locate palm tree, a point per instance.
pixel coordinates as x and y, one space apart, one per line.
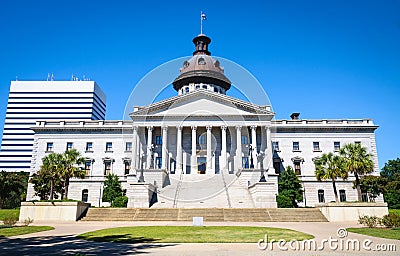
358 162
330 166
71 161
51 164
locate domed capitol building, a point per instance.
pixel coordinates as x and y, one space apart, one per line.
198 149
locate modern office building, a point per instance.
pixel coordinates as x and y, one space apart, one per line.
30 101
202 148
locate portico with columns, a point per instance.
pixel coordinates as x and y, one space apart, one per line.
208 150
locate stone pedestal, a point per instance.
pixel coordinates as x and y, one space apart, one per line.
352 211
140 194
53 211
264 194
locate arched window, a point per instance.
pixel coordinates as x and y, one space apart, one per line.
204 86
342 195
197 86
186 89
201 61
202 139
85 195
215 89
321 196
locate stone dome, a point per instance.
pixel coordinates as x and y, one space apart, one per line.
201 68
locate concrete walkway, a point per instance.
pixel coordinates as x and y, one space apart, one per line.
62 241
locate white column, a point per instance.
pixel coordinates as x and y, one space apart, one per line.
239 146
209 153
193 157
254 145
134 163
164 149
149 146
268 151
223 149
179 150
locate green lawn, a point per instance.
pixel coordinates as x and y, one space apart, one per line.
8 212
377 232
15 231
189 234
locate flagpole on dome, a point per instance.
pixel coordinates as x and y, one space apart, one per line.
202 17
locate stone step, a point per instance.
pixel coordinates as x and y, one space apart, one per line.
209 214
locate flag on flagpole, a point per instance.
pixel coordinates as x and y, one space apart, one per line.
203 16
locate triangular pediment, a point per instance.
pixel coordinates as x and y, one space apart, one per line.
202 103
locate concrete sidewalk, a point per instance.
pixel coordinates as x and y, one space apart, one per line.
61 241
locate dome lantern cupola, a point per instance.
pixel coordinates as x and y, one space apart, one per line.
201 71
201 42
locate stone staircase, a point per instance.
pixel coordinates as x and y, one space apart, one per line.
204 191
209 214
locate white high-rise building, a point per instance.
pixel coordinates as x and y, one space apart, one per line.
31 101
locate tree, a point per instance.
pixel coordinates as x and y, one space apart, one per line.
13 187
373 186
358 162
290 186
391 169
330 166
50 168
41 185
71 159
391 172
112 189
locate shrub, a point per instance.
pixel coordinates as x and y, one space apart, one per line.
10 221
369 221
28 221
120 201
391 220
283 201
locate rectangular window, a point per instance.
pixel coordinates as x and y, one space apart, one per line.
109 146
342 195
336 146
107 167
245 162
275 145
89 146
321 196
49 147
128 146
158 140
297 168
316 146
127 167
88 165
245 140
296 146
69 145
158 162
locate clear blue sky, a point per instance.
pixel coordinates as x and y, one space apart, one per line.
325 59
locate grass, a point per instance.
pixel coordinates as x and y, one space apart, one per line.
189 234
8 212
16 231
393 233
